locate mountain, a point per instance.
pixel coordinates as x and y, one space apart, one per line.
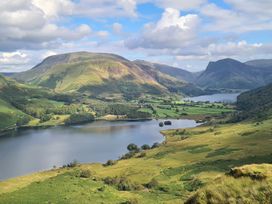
98 74
232 74
257 102
260 63
169 70
166 76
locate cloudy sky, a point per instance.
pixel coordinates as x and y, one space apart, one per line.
182 33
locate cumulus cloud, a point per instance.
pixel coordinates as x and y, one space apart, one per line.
240 19
180 4
117 28
26 26
10 60
171 31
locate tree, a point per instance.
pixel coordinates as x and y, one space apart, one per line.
145 147
132 147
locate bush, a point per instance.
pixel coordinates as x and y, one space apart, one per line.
128 155
85 173
155 145
132 147
152 184
23 120
72 164
121 183
145 147
45 117
141 155
131 201
110 163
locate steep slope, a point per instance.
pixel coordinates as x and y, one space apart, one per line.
91 73
100 74
232 74
9 114
169 70
173 82
256 103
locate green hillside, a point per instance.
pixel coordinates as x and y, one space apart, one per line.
256 103
100 75
28 105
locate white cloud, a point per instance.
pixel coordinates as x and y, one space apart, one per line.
237 20
10 61
54 8
117 28
105 8
180 4
26 26
171 31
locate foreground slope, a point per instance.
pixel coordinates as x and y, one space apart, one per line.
171 173
95 74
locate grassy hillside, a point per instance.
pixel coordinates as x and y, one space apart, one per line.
27 105
189 160
256 103
245 184
99 75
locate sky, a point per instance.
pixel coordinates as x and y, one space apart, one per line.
182 33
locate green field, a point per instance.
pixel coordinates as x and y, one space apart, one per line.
188 160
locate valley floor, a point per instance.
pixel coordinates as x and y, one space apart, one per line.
189 160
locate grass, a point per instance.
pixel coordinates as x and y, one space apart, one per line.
245 189
180 166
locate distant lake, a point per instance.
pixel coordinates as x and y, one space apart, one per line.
225 97
35 150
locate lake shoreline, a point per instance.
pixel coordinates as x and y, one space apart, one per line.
8 131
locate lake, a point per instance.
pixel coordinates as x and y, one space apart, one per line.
224 97
34 150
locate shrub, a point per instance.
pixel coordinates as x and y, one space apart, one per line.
155 145
152 184
85 173
110 163
145 147
121 183
132 147
128 155
141 155
72 164
131 201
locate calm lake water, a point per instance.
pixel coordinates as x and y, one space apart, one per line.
35 150
225 97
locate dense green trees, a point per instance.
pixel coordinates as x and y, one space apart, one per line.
80 118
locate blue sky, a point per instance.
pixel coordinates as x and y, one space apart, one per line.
182 33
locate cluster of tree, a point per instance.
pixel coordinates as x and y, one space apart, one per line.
78 118
134 149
